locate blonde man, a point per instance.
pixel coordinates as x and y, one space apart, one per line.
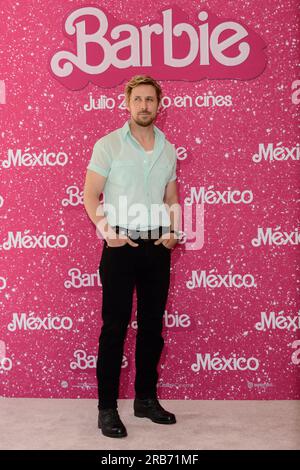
135 167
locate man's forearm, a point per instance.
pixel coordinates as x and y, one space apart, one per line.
95 212
174 211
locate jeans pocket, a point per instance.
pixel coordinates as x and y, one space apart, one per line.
164 247
116 247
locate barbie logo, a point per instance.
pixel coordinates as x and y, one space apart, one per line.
171 47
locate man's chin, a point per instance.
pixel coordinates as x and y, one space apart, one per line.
145 123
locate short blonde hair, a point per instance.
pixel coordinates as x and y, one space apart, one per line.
142 80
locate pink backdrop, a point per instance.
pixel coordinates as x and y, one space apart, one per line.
232 319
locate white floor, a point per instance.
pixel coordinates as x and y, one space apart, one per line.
72 424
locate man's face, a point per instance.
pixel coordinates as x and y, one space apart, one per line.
143 105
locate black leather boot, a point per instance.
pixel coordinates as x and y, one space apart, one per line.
110 423
150 408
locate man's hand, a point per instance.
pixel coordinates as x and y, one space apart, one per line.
120 240
167 239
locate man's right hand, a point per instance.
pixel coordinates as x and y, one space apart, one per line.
120 240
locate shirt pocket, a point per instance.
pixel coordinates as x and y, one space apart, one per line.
163 173
123 173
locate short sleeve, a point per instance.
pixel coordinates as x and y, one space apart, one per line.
100 161
173 176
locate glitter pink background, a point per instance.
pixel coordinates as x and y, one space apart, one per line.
40 114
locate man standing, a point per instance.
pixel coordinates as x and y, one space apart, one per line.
135 167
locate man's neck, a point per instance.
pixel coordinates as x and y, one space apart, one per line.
144 134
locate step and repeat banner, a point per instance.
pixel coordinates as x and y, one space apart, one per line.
231 93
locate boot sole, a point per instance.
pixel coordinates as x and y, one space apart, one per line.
107 434
139 414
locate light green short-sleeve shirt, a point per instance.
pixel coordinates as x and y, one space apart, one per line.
136 179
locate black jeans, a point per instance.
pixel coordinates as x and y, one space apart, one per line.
146 267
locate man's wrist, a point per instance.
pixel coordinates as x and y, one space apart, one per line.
107 232
176 233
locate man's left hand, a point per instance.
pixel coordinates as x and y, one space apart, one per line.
167 239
